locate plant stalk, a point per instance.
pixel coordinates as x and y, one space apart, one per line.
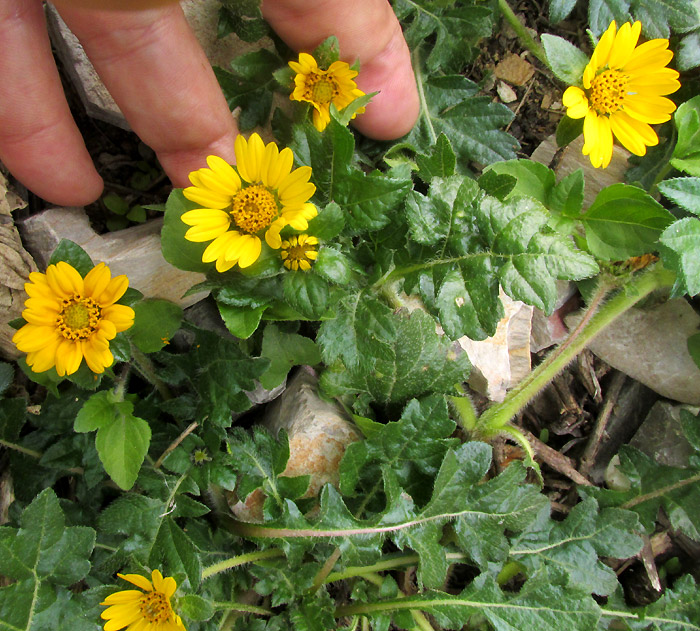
523 35
241 559
594 321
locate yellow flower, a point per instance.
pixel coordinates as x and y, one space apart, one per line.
262 194
70 317
323 87
299 252
623 88
149 610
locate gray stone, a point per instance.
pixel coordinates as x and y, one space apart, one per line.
134 251
661 435
650 345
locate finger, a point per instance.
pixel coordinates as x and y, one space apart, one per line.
158 74
366 30
39 141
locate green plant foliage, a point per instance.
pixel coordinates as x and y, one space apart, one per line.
567 61
155 322
450 100
285 350
686 155
43 557
457 29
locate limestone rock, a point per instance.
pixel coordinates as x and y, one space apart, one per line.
572 159
134 251
501 361
650 345
318 434
15 266
661 435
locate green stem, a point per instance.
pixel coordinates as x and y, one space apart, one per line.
425 112
659 177
496 417
243 608
22 450
525 38
144 365
466 414
241 559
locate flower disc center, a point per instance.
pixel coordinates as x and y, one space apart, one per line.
155 607
323 90
254 208
608 91
78 318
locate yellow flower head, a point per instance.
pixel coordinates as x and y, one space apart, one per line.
299 252
70 317
148 610
623 88
237 205
323 87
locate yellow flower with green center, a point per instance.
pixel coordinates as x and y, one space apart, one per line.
70 318
323 87
299 252
262 194
623 93
147 610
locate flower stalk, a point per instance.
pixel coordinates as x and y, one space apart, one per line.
523 35
594 321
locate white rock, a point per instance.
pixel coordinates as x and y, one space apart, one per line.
318 433
501 361
650 345
134 251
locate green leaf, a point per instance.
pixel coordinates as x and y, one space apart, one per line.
115 203
220 373
686 155
250 86
413 447
654 486
498 186
661 17
602 12
12 416
241 321
155 323
183 254
440 162
122 444
244 19
100 409
532 178
328 224
449 101
418 361
694 348
7 374
684 191
566 60
679 245
174 548
624 221
195 607
285 350
571 548
457 30
568 194
306 293
362 329
334 266
73 254
688 52
39 555
560 9
568 130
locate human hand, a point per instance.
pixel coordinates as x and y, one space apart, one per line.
159 76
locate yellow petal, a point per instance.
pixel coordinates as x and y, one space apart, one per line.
106 329
120 315
44 358
633 134
114 291
199 234
625 41
169 586
217 248
97 279
225 171
138 580
206 198
250 250
217 185
574 99
321 117
649 56
40 316
650 109
272 236
122 597
296 187
31 338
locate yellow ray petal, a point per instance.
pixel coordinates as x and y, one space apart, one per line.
97 279
625 41
138 580
251 247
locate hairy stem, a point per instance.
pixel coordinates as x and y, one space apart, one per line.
523 35
145 366
241 559
593 322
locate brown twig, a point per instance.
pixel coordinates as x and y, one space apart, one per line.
611 396
172 446
557 461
